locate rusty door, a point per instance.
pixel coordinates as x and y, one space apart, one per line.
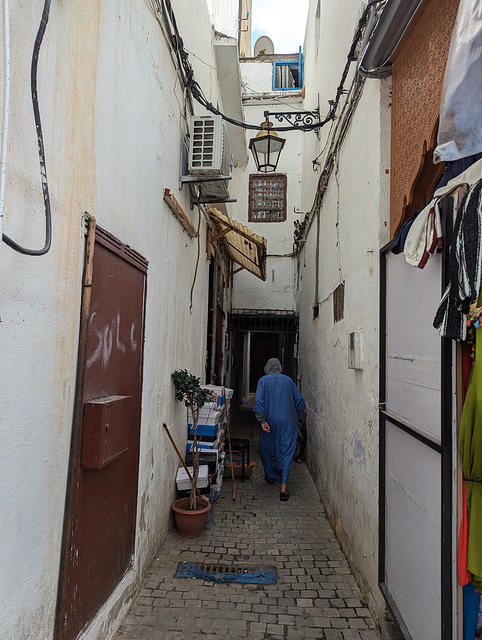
104 495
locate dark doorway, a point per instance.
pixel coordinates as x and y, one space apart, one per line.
255 337
263 347
216 320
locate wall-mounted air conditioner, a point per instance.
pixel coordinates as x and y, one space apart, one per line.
209 154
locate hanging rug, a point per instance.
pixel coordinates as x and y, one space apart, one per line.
222 573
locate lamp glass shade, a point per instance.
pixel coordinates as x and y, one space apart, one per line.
266 149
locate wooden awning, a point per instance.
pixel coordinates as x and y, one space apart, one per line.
245 248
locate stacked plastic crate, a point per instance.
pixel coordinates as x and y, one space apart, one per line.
210 434
222 396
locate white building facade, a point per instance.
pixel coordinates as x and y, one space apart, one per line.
113 111
385 391
339 288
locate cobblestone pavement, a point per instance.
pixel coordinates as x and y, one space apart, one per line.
316 595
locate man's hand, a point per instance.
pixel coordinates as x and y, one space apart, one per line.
266 428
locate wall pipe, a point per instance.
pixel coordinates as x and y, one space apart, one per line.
6 111
40 143
317 259
374 61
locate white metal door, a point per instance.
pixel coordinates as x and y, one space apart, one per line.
412 463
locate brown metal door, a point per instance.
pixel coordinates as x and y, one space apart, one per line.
105 495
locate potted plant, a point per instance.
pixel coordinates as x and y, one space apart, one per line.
193 508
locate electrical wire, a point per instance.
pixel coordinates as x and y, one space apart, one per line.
197 259
338 249
43 168
315 162
6 109
162 16
340 131
342 124
197 93
196 90
244 85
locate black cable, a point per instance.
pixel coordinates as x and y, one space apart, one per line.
197 92
43 168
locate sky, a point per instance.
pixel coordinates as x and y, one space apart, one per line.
284 21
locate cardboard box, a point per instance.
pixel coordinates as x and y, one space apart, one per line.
203 446
211 420
208 410
183 482
217 392
205 434
209 457
204 431
238 471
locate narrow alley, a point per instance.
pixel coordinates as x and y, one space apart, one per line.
315 596
188 190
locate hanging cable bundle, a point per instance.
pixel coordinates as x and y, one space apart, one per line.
41 151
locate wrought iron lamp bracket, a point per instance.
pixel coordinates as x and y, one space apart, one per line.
295 118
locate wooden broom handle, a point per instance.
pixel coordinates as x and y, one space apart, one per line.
181 459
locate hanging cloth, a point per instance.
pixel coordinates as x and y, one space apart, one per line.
424 237
465 263
471 604
470 445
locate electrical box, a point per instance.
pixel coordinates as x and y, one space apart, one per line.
105 430
209 154
355 350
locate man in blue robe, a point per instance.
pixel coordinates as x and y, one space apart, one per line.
277 405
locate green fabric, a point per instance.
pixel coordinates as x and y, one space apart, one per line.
470 445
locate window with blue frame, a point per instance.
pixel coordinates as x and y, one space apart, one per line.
288 74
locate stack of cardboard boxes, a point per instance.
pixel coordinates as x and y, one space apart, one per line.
210 434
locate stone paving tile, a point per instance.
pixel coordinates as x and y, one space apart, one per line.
316 596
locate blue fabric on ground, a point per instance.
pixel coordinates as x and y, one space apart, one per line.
471 610
279 400
255 576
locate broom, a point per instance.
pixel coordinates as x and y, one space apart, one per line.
181 459
230 451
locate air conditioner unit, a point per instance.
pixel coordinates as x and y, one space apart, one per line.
209 154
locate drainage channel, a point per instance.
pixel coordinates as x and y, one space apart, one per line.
227 573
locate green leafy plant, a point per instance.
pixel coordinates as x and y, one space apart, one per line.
188 390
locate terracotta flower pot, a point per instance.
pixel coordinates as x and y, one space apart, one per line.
190 523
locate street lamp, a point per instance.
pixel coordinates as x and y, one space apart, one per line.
266 148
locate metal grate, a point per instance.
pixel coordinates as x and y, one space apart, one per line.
339 303
227 573
202 143
265 322
219 568
267 198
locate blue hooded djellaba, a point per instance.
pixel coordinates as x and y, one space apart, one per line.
279 401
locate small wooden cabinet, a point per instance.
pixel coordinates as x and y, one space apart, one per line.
105 431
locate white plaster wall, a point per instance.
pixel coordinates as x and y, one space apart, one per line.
224 16
110 103
257 76
278 291
343 412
